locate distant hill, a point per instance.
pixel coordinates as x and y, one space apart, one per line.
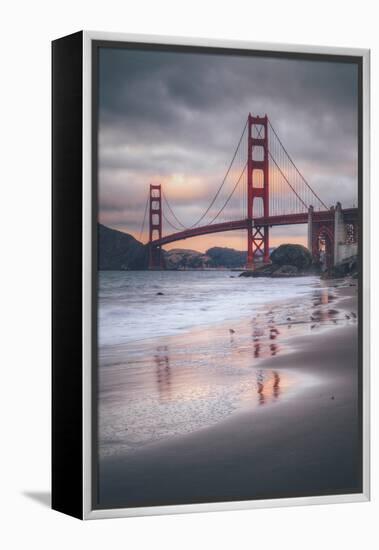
226 257
182 258
120 251
216 257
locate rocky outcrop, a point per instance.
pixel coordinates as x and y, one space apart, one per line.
349 267
288 260
286 271
292 254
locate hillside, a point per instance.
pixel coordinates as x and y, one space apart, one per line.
216 257
226 257
120 251
181 258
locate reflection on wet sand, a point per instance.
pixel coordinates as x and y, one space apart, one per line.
316 313
173 383
322 314
276 386
176 375
274 349
163 372
262 337
151 392
268 384
273 333
179 388
257 349
261 387
322 297
176 381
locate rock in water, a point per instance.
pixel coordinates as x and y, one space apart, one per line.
347 267
288 260
261 271
285 271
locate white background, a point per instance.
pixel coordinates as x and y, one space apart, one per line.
26 31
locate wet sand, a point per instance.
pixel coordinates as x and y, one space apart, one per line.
306 443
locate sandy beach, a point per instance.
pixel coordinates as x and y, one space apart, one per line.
274 415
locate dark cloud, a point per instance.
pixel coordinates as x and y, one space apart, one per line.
178 116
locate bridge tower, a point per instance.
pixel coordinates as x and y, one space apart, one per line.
155 226
257 188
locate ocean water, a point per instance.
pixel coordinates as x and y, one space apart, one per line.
176 362
130 308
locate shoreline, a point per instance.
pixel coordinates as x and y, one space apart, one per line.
337 285
261 451
160 388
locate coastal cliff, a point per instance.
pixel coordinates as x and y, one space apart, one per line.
119 251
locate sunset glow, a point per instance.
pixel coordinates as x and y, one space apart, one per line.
185 139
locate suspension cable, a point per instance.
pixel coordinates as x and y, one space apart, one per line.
224 179
298 196
171 224
230 196
172 212
296 168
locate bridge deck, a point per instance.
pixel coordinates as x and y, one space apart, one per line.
350 214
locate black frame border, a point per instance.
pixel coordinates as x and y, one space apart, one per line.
67 271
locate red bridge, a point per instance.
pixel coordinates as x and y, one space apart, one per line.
263 180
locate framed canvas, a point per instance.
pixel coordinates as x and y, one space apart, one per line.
210 275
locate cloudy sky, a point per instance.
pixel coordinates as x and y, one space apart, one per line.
175 118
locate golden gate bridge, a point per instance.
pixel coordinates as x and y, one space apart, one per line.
265 189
